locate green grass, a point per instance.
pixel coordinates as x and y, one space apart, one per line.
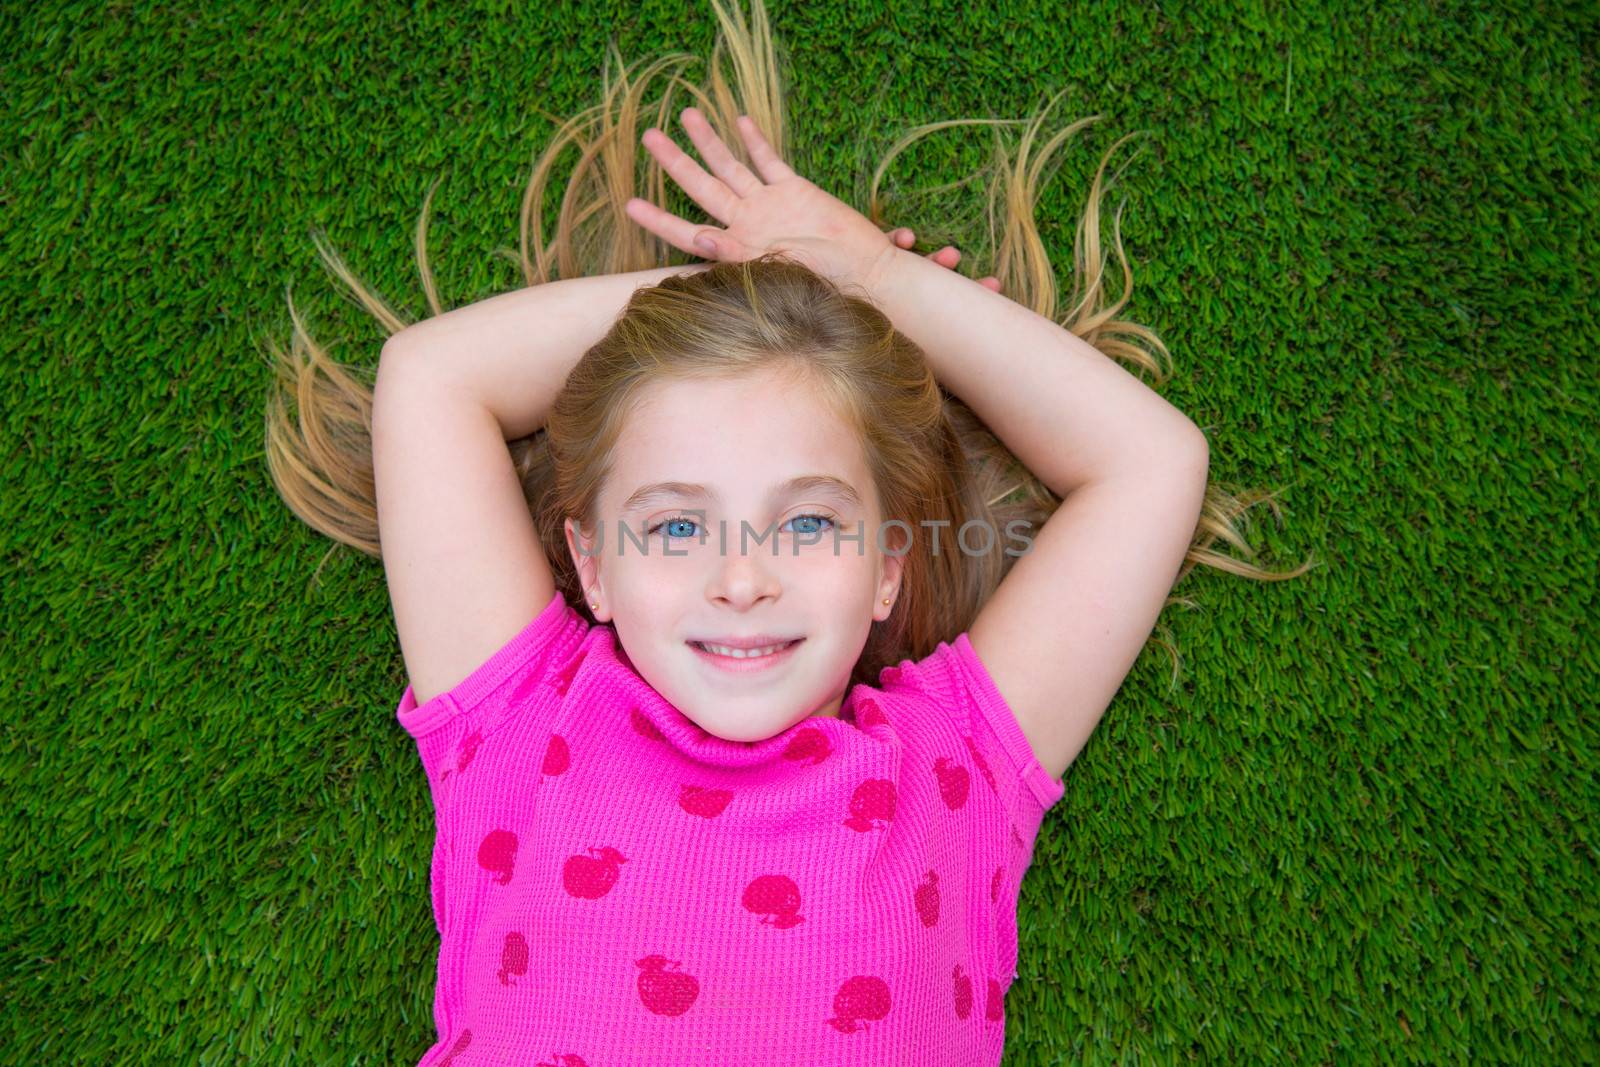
1361 830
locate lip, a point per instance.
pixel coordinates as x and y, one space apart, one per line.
747 666
758 641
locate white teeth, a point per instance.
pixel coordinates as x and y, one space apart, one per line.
742 653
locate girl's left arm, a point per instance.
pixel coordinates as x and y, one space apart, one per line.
1071 617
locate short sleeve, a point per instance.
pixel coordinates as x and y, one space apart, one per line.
509 679
953 675
1005 733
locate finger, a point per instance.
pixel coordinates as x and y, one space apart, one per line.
770 165
991 282
948 256
677 232
903 237
713 151
716 198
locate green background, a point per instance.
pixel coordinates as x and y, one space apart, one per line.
1359 830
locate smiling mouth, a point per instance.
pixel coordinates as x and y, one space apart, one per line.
761 663
725 652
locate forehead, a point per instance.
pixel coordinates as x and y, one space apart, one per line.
740 437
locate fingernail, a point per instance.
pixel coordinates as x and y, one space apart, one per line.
705 243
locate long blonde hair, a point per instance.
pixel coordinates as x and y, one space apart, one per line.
930 456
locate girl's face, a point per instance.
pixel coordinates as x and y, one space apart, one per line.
692 578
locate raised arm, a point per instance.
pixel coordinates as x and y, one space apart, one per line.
1069 619
463 562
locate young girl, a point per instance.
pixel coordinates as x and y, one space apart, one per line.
743 681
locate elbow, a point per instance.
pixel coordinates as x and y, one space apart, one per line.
398 342
398 367
1193 450
1178 433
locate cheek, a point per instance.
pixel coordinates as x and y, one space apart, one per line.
823 562
848 581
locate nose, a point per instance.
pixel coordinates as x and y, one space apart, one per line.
741 579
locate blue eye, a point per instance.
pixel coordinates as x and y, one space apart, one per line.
693 522
820 518
675 518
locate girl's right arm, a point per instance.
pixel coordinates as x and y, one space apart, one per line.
463 562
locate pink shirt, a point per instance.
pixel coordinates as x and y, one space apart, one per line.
613 885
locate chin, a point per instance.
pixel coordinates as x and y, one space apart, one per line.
746 731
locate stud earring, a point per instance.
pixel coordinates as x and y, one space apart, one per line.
885 600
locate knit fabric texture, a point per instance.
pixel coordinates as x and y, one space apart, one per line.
613 885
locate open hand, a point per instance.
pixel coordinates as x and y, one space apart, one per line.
779 211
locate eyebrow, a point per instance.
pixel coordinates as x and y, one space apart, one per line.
660 492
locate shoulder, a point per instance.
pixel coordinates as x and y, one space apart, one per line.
510 676
954 684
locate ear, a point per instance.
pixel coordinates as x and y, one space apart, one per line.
889 584
587 563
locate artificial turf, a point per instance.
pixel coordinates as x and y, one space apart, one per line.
1360 829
